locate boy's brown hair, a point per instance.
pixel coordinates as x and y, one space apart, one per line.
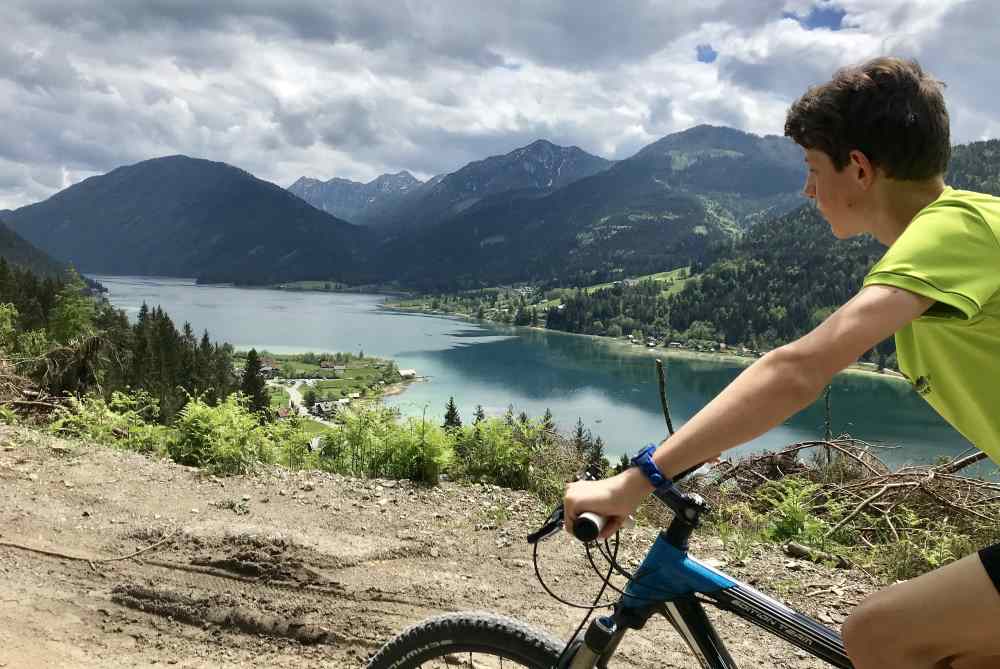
887 108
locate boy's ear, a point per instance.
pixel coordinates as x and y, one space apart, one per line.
863 168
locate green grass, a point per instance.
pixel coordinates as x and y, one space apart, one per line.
335 389
278 396
295 368
660 277
313 428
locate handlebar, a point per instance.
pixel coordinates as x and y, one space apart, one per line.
588 526
687 507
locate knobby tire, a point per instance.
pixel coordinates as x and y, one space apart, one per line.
456 635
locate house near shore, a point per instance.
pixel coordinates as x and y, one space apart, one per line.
324 408
330 408
408 373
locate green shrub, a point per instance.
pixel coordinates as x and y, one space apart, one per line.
922 545
224 439
290 440
739 527
520 454
127 421
789 504
371 442
492 452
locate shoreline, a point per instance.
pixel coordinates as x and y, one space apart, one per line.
359 290
397 388
659 351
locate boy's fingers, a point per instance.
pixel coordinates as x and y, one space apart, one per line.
611 527
569 516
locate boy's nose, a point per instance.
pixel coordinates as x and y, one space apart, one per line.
809 190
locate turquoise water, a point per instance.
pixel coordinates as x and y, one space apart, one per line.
611 387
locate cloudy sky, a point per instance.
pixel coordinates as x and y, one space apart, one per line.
355 88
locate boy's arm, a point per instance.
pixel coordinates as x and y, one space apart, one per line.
777 386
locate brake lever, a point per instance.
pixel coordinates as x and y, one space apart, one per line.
552 525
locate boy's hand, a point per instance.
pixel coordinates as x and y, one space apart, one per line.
614 498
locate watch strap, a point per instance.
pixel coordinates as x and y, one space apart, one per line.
644 461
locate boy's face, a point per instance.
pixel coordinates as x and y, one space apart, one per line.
836 194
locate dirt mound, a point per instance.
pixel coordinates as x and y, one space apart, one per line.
220 610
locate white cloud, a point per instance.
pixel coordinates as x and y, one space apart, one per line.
355 88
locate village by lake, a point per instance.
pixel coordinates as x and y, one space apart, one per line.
612 388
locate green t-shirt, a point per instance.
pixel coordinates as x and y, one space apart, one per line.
950 252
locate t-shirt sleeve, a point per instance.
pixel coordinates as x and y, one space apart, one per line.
949 254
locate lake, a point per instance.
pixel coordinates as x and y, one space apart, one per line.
611 387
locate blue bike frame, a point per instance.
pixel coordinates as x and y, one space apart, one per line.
673 583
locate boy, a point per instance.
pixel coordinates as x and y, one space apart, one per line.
876 141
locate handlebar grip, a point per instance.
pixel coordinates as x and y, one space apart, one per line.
588 526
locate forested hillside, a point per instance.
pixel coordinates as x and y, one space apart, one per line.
66 340
18 251
788 274
784 277
976 167
778 282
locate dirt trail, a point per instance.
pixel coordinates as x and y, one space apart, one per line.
298 569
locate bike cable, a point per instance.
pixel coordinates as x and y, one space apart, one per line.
606 579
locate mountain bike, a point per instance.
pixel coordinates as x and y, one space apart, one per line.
669 582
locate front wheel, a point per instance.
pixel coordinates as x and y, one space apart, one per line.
468 640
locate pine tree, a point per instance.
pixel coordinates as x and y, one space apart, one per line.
548 421
451 417
253 384
479 416
596 464
189 348
74 311
224 379
310 398
581 438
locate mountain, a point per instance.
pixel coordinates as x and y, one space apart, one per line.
531 171
684 198
181 216
359 203
18 251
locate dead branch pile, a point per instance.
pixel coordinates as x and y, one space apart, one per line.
33 387
20 394
849 471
